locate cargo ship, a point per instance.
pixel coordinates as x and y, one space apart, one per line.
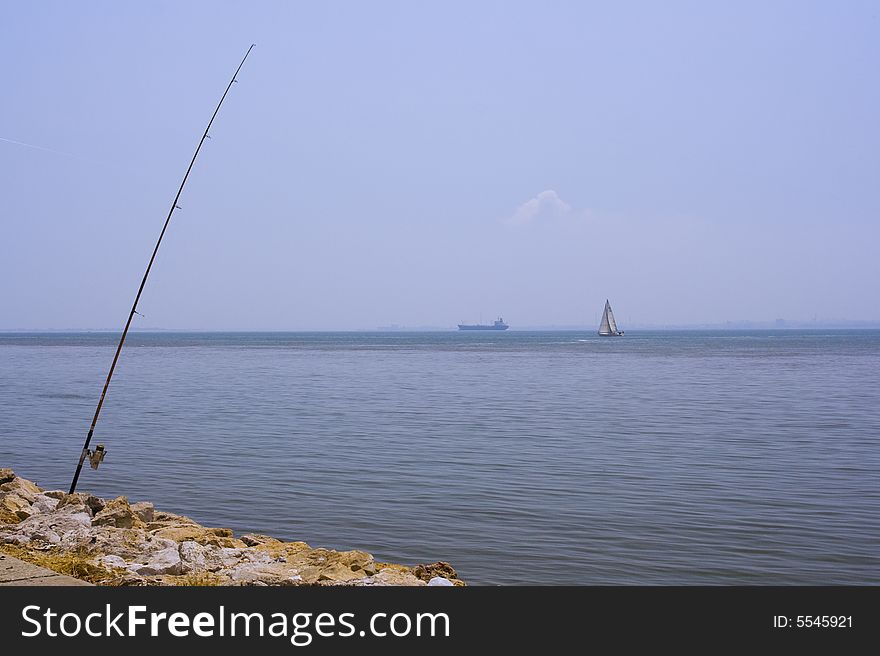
498 324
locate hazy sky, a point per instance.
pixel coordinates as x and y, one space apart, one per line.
427 163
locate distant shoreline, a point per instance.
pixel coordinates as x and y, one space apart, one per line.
733 327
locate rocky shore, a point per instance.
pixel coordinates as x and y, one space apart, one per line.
114 542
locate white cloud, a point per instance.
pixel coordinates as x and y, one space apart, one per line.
544 206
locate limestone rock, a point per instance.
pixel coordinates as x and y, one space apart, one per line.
130 544
265 573
21 487
163 518
166 561
441 569
44 504
245 555
117 513
89 502
15 504
339 572
221 537
8 517
253 539
193 557
111 562
440 581
206 557
279 549
137 545
392 576
144 510
65 530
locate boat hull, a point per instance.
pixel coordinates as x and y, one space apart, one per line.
463 326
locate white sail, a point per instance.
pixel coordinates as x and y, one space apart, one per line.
611 322
609 325
605 326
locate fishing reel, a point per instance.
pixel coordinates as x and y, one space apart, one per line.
96 457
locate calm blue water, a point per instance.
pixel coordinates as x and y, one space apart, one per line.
552 457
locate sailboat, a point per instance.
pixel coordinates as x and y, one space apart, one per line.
608 327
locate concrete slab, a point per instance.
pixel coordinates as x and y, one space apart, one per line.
17 572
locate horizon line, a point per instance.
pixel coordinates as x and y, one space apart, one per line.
729 325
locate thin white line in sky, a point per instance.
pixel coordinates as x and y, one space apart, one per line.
48 150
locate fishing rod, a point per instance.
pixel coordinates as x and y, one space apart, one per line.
95 457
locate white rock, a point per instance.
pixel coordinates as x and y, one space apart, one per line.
193 556
44 504
166 561
112 561
252 556
130 544
229 556
69 530
245 573
144 510
41 534
439 580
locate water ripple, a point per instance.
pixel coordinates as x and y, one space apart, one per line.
662 458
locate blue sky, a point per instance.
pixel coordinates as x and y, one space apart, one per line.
427 163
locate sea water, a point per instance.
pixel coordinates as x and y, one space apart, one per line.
519 457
